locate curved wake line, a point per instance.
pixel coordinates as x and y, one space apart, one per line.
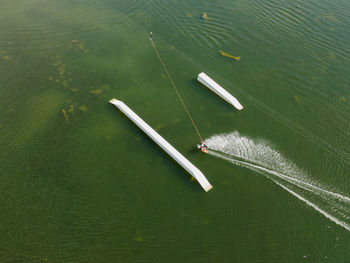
293 181
330 217
259 156
247 162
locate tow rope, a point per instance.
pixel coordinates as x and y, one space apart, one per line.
173 84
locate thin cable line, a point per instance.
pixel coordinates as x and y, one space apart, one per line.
177 91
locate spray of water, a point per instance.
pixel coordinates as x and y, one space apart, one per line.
260 157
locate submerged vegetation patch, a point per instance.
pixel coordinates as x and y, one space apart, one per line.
40 110
224 54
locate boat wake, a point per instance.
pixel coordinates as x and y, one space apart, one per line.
260 157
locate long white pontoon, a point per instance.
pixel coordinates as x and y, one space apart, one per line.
187 165
212 85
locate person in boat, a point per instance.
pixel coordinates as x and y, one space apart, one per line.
203 147
150 35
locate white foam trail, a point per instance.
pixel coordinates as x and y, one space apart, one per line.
260 157
306 186
265 157
330 217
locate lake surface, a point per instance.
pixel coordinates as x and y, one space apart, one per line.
80 183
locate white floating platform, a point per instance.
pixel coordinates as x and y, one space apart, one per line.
212 85
186 164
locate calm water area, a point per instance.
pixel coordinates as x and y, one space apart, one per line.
80 183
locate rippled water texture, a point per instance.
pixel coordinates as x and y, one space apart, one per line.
80 183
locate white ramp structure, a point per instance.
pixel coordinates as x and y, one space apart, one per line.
212 85
169 149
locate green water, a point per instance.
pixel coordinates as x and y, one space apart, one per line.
80 183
